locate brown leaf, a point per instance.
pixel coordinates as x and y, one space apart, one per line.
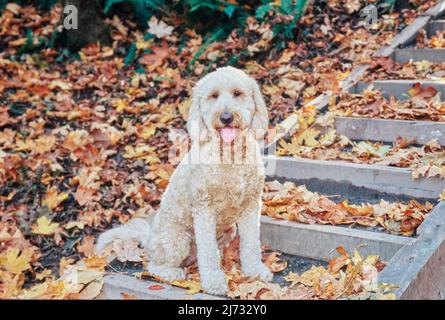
155 59
417 90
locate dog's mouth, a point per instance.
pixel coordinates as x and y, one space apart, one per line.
228 133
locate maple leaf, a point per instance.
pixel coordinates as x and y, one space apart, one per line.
308 138
155 59
87 246
53 199
192 287
159 28
273 262
419 91
379 151
15 261
44 226
85 195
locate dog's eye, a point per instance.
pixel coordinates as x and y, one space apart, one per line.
237 93
214 95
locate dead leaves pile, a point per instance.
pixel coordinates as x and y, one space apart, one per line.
422 103
384 68
436 41
82 280
347 277
296 203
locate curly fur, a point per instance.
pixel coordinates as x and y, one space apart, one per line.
217 186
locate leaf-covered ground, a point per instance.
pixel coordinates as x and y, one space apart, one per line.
85 138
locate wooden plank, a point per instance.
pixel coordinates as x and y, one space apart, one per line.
354 77
434 26
432 55
405 37
116 284
385 179
419 269
387 130
319 241
399 88
436 10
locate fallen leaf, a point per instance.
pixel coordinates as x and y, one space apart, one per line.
16 261
45 226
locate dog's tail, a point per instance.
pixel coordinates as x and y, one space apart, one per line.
136 229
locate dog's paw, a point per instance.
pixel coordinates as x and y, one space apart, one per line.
259 270
214 282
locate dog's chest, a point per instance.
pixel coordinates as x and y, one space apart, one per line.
230 191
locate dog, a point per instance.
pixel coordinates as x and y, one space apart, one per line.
217 186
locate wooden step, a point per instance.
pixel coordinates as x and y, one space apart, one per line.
434 26
387 130
340 177
398 88
407 54
318 241
418 269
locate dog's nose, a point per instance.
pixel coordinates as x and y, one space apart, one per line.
226 117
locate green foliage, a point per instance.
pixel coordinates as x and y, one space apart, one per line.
284 30
210 13
386 5
143 9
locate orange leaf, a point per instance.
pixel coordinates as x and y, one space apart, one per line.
156 287
419 91
155 59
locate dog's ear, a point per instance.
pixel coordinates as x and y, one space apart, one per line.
195 124
260 119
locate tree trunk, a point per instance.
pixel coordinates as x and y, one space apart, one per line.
91 27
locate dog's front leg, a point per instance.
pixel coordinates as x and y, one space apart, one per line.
250 246
212 277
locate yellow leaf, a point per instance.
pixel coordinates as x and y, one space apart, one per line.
120 105
183 108
15 261
192 286
387 296
328 138
148 131
75 224
53 199
44 226
270 90
372 259
307 138
442 195
138 152
356 258
34 292
143 45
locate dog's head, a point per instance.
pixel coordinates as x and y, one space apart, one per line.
227 102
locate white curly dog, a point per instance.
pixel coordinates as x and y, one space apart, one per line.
217 186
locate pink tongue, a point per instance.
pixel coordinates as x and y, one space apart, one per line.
228 134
